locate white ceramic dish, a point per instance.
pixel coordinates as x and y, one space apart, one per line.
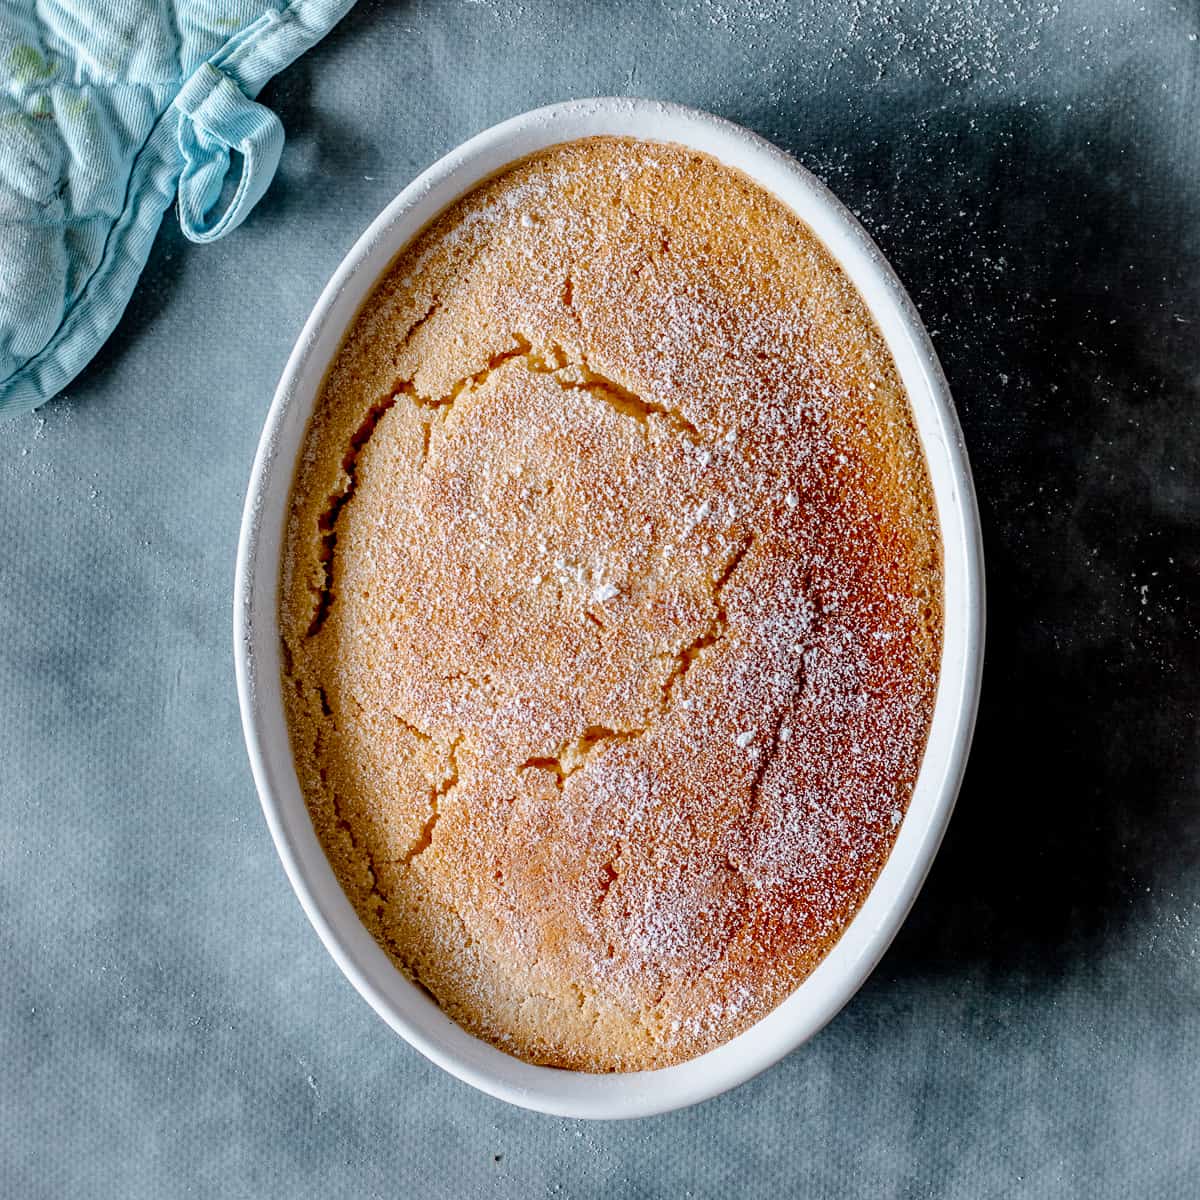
257 645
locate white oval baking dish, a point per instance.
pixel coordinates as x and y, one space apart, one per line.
406 1007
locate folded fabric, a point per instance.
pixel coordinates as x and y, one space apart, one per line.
108 109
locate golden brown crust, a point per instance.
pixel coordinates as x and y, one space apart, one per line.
611 607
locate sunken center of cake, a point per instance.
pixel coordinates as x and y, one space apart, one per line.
611 607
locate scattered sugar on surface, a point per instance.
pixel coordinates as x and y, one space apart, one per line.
637 583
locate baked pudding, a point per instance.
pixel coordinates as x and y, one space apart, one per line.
611 606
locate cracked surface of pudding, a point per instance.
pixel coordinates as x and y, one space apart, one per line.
611 607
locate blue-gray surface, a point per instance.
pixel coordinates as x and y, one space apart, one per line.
169 1024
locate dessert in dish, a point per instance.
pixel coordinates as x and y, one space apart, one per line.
611 606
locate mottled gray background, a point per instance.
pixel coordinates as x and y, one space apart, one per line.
169 1024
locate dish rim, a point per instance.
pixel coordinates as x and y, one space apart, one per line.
403 1005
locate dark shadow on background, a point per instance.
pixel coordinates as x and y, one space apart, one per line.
1051 256
152 296
325 156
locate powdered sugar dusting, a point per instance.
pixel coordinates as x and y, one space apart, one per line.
622 546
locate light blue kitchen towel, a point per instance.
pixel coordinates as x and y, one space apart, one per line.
108 110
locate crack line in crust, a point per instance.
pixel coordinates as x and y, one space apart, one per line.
579 375
435 302
520 349
573 755
327 522
713 632
361 851
765 759
436 796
